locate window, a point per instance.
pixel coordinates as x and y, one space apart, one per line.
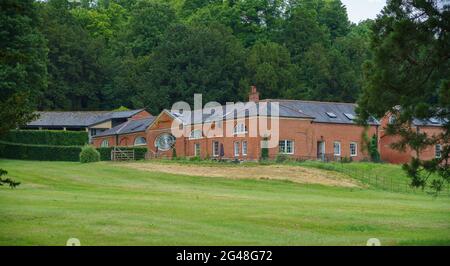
438 151
286 146
197 149
349 116
244 148
236 148
195 134
337 148
392 119
240 129
331 114
353 149
139 141
215 148
105 143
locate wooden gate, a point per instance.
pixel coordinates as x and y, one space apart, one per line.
118 154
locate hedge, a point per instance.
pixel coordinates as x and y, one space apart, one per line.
39 152
47 137
105 153
57 153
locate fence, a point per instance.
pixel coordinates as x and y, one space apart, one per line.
378 181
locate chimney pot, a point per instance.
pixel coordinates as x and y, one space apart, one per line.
253 95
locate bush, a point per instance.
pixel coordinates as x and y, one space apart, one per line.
39 152
281 158
47 137
89 154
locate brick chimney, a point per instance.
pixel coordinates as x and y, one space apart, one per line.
253 96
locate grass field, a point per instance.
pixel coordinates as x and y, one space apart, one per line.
109 204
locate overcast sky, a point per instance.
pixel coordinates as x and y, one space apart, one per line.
363 9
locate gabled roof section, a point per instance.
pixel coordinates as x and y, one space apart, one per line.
78 118
324 112
131 126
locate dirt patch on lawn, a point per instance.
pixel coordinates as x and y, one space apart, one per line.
296 174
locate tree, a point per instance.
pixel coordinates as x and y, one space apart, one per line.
22 65
409 78
75 72
192 59
269 67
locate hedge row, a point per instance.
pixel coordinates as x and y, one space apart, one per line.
56 153
139 152
39 152
47 137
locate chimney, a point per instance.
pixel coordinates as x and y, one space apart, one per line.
253 96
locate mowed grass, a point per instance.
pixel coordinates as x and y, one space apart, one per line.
106 204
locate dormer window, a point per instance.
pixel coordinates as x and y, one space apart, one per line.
349 116
196 134
392 119
240 129
331 115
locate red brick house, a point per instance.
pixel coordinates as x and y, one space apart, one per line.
388 154
307 129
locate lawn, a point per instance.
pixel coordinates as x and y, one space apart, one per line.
109 204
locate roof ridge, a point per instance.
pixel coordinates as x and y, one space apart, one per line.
307 101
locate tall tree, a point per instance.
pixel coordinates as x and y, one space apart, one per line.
409 77
192 59
22 65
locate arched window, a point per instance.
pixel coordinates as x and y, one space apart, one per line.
105 143
139 141
240 129
195 134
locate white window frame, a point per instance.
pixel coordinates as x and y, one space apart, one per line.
244 148
105 143
195 149
356 149
240 128
284 151
236 148
192 134
142 144
215 154
436 151
334 148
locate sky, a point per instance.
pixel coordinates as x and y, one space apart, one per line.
363 9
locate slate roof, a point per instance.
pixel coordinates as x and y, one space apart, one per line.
131 126
314 110
433 122
78 118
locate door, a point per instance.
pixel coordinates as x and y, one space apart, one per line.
321 150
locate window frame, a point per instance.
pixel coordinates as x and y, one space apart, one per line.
236 148
195 149
334 148
246 147
214 149
140 137
436 156
104 143
235 132
196 130
285 144
356 149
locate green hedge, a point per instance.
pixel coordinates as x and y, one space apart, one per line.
56 153
39 152
139 152
47 137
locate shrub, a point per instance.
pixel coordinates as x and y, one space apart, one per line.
39 152
281 158
373 149
89 154
47 137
